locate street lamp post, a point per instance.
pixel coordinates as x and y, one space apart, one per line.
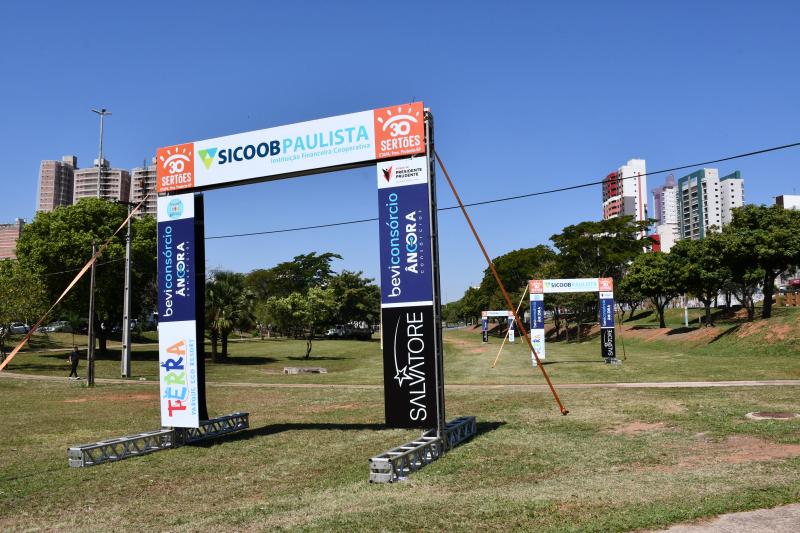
102 112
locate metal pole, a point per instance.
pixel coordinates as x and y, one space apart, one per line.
437 301
102 112
90 352
125 369
685 312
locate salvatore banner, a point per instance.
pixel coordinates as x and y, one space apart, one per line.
177 332
285 151
407 310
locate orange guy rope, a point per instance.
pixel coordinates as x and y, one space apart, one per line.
509 329
77 278
518 321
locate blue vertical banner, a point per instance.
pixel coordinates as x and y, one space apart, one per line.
407 308
511 329
537 323
177 335
485 327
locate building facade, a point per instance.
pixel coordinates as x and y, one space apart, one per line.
102 181
706 201
56 180
9 235
624 191
143 181
788 201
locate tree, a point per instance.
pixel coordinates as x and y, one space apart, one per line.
59 243
515 269
746 275
298 275
653 276
22 297
318 309
772 234
229 305
700 269
356 298
601 249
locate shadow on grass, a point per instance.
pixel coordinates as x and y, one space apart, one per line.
725 333
245 360
640 316
272 429
596 361
317 358
680 330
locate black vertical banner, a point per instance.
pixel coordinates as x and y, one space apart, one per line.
409 366
608 347
200 301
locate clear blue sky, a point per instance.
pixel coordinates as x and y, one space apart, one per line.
527 96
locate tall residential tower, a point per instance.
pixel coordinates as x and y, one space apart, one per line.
56 183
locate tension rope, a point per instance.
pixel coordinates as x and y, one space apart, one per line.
508 331
72 284
510 304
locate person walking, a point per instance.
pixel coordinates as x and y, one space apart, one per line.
74 357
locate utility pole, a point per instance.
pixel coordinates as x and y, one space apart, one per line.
125 369
90 352
100 164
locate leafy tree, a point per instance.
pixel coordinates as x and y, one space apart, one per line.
746 275
298 275
601 249
317 310
472 303
652 275
357 299
700 269
772 234
22 297
59 243
627 299
515 269
229 306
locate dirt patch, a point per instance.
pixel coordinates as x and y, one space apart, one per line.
635 428
745 449
769 332
115 398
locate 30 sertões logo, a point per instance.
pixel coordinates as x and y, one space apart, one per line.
399 130
175 167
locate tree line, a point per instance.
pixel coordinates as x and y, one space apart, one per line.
746 256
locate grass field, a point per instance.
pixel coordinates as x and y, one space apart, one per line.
621 460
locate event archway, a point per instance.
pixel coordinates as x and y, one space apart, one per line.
605 289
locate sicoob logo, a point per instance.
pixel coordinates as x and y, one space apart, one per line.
399 130
175 169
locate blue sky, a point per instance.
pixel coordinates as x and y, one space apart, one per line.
527 96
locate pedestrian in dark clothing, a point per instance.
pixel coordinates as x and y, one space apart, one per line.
74 357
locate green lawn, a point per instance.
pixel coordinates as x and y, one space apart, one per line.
623 459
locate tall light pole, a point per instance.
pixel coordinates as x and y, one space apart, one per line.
125 367
102 112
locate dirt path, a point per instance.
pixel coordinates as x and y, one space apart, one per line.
785 519
452 386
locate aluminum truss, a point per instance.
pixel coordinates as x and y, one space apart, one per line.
120 448
397 463
211 429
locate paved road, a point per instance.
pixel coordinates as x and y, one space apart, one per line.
452 386
785 519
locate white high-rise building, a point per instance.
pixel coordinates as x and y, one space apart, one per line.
625 191
706 201
665 202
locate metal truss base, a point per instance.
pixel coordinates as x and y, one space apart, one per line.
397 463
107 451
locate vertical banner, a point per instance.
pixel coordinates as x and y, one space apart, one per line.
511 329
177 334
537 325
484 327
407 315
608 349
